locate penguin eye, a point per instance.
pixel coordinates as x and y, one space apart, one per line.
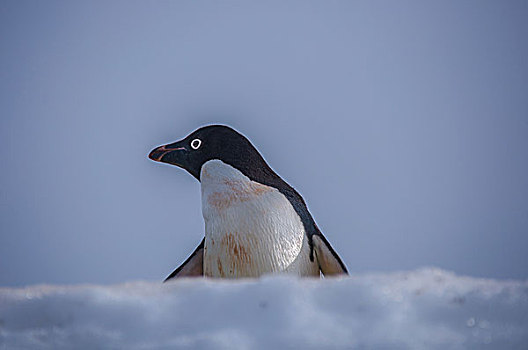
196 143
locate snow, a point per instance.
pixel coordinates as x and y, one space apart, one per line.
424 309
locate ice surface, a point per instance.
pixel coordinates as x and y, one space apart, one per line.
423 309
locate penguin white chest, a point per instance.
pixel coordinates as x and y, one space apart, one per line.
250 228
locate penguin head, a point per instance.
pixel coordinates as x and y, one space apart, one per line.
208 143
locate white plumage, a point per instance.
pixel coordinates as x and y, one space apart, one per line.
250 229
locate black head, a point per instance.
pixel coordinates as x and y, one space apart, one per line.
212 142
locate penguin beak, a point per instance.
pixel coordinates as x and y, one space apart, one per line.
174 153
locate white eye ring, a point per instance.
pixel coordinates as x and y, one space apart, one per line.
196 143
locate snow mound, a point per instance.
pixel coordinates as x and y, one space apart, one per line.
424 309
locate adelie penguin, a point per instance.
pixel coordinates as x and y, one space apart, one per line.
255 223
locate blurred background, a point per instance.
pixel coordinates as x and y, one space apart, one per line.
403 124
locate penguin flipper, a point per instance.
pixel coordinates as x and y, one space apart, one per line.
192 267
329 262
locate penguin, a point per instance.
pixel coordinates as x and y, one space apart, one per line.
255 223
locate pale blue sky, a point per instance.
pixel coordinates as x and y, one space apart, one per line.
403 124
